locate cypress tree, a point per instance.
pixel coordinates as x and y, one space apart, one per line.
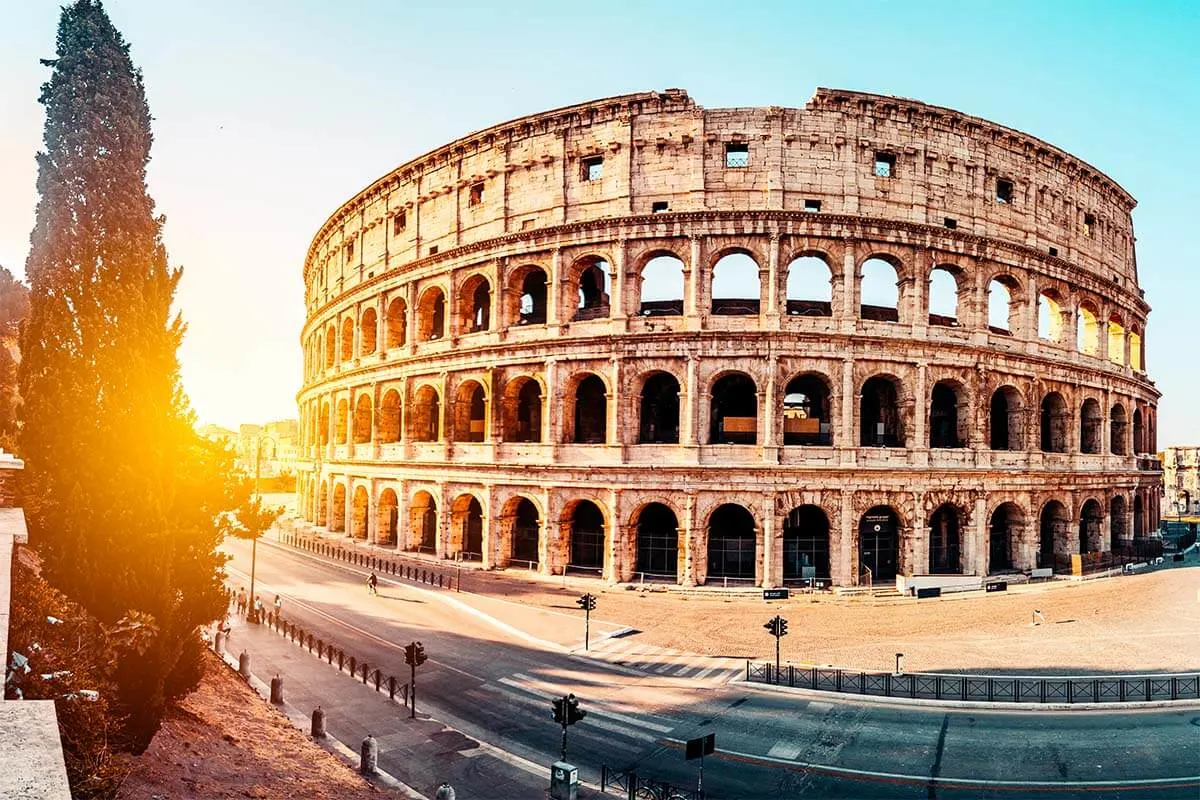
122 494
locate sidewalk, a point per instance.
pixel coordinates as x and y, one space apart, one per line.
419 753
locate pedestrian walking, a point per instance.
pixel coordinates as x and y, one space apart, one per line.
241 601
373 584
258 609
278 605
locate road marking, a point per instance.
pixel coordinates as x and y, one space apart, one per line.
523 680
785 749
538 703
819 706
924 780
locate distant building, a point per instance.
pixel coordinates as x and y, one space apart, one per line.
216 433
280 447
1181 480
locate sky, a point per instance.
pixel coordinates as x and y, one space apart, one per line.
269 114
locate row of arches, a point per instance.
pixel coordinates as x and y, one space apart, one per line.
728 544
736 282
804 415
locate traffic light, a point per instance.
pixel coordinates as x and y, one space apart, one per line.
560 707
587 602
782 626
414 654
777 626
574 712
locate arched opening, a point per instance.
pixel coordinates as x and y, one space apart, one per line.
734 410
1006 420
523 407
362 419
423 516
330 346
943 297
388 523
1139 440
1054 533
341 422
732 543
944 424
425 417
476 304
359 507
595 288
397 323
368 330
1116 341
1139 517
1136 356
806 412
1054 421
662 287
659 417
881 423
468 518
337 516
470 413
323 505
735 285
1087 330
531 308
391 411
805 544
809 287
880 290
1002 311
1003 531
1091 527
1118 433
1050 317
431 315
591 411
526 531
879 544
945 541
347 338
587 537
1090 421
323 424
1118 522
658 541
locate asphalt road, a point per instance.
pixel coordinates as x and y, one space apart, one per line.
495 686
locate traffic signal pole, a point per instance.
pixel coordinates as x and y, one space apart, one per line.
412 694
587 603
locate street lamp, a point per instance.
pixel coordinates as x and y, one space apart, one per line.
258 440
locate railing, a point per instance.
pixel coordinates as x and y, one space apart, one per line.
639 787
981 688
396 566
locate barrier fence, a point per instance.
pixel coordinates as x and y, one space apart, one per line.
408 569
639 787
982 688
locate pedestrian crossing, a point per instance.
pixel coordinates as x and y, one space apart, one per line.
653 660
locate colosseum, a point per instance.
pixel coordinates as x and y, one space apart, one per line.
649 341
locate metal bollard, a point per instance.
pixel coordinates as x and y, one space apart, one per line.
369 763
318 723
244 665
277 690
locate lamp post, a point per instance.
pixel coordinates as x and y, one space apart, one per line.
253 613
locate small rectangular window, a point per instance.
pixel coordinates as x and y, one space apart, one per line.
526 224
476 195
658 206
1053 250
885 165
1004 190
812 205
950 222
433 250
593 168
399 223
1089 224
737 155
349 251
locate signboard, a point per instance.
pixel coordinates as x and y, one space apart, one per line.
701 747
930 591
775 594
996 586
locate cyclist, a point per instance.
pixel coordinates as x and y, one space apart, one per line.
372 584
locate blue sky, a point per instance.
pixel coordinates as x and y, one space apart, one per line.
268 114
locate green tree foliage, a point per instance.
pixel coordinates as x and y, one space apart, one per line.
14 306
122 494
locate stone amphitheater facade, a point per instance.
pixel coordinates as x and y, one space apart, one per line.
651 341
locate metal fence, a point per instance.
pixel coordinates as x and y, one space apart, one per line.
639 787
397 566
982 688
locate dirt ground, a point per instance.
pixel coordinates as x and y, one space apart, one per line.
227 742
1140 623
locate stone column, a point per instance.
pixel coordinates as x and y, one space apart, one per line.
846 573
846 437
616 436
687 539
979 540
617 301
849 289
921 409
769 279
769 410
553 405
772 542
688 435
692 278
554 283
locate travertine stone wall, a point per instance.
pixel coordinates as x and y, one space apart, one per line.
417 347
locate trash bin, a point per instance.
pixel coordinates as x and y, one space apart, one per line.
564 781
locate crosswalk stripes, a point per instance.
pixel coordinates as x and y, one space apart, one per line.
527 691
665 661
